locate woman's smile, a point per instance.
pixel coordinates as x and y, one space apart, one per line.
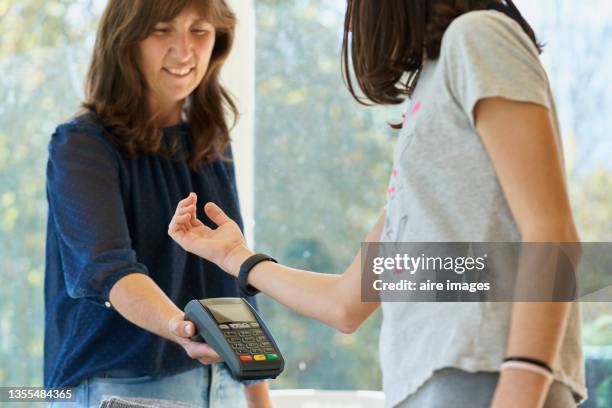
179 72
174 59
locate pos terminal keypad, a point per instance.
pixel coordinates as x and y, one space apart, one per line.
248 341
238 334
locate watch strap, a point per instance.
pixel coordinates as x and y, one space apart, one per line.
246 268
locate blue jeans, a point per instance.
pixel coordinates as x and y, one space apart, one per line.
207 387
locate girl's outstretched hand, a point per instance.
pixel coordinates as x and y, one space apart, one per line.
223 245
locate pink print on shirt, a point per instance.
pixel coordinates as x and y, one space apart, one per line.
391 188
415 109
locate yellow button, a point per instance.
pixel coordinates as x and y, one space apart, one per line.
259 357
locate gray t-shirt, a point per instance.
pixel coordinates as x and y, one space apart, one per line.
443 188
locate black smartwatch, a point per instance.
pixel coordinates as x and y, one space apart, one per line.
245 269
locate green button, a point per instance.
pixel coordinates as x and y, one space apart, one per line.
272 356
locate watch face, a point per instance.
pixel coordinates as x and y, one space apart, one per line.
231 313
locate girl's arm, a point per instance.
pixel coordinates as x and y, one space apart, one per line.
526 154
332 299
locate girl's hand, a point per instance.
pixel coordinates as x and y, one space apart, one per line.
517 388
224 245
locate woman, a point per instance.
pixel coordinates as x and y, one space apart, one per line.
154 129
478 160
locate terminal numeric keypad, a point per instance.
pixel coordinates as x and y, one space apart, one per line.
249 341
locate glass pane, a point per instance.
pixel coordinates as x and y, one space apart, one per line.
44 50
322 163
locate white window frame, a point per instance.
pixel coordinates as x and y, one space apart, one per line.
239 77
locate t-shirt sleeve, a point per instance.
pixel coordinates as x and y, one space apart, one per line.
487 54
86 206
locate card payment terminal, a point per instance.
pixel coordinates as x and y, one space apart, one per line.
238 334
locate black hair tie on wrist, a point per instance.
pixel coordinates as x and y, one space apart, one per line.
245 269
533 361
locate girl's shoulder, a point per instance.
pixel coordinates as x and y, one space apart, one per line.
480 21
486 29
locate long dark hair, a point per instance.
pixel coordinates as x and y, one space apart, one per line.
391 37
115 86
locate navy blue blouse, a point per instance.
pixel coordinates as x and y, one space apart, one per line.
108 217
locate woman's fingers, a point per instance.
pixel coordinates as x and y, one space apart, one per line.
207 355
180 327
183 330
202 352
211 360
216 214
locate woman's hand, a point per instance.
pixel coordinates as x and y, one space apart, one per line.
224 245
181 331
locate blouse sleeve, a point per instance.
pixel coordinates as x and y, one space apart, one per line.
86 208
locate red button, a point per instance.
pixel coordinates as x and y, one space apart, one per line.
246 358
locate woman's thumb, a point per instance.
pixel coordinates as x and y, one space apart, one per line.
180 327
216 214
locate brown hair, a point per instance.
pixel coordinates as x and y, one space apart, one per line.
116 88
391 37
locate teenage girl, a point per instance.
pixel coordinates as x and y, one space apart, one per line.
478 160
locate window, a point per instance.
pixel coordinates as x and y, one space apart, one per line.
321 168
